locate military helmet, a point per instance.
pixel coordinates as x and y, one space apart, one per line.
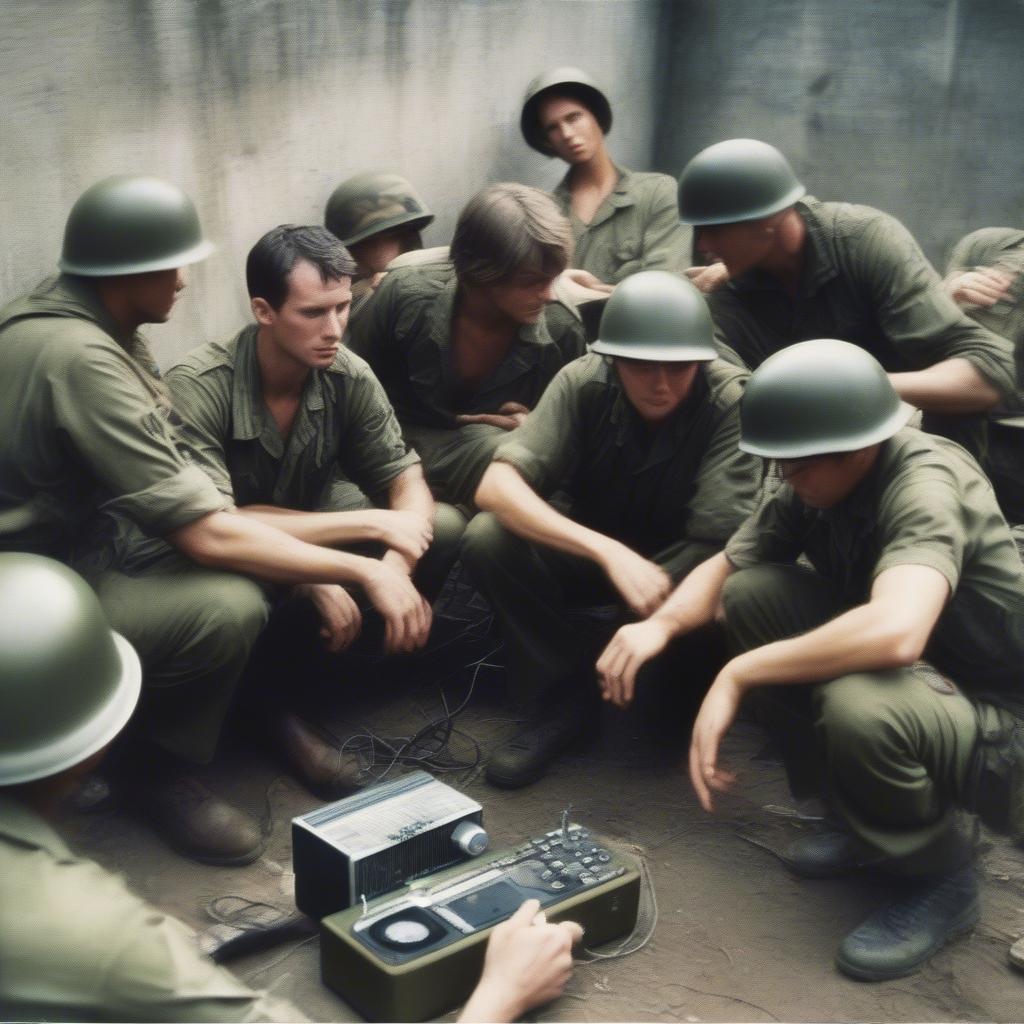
370 203
819 398
736 180
130 224
571 82
68 684
656 316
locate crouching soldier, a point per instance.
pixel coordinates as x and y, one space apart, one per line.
910 559
641 435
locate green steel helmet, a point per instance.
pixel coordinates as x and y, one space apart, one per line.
819 398
370 203
570 82
130 224
736 180
656 316
68 684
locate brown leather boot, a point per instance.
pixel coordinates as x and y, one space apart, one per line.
322 766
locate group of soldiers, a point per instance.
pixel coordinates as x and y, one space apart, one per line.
690 405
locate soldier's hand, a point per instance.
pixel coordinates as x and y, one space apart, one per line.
508 417
716 715
340 617
408 533
405 612
627 652
585 279
642 584
708 278
983 286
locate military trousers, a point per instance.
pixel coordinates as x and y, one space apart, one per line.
455 460
539 597
193 629
890 750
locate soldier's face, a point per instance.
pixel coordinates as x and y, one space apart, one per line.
822 481
373 254
742 246
308 328
570 128
153 295
522 297
655 390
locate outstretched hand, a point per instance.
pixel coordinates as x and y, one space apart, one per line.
508 417
982 286
716 715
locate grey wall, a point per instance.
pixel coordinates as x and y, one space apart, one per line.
916 107
260 107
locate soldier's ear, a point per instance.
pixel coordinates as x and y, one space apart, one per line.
262 310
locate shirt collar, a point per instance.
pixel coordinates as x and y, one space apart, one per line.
22 825
620 196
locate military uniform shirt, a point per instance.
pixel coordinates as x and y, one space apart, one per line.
84 425
863 280
924 502
1002 248
75 944
635 228
405 336
344 428
648 489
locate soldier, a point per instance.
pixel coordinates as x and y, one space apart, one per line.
465 349
85 426
378 216
801 269
75 943
985 277
910 559
623 221
285 420
641 434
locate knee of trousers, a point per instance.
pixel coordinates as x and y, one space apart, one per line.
449 526
748 589
231 613
487 543
856 724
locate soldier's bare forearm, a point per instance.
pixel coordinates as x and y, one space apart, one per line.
953 386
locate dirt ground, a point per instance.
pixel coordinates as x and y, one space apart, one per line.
737 938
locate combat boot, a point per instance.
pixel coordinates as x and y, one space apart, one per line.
828 853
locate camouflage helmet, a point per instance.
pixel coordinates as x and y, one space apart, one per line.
68 684
819 398
130 224
656 316
571 82
736 180
370 203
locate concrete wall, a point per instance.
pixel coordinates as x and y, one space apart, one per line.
915 107
260 107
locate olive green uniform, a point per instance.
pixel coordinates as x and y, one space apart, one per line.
892 747
405 336
635 228
864 280
1002 248
75 944
85 426
673 495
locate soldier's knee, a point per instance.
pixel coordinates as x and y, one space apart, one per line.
449 526
747 589
852 714
483 541
233 614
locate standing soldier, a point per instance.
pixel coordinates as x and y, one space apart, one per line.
641 437
802 269
465 348
910 559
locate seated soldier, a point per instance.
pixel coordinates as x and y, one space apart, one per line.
985 276
85 427
377 217
910 559
465 349
800 268
75 943
641 434
285 421
622 221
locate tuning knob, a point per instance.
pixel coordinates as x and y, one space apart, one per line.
470 838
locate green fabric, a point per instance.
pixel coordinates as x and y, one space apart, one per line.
344 423
925 502
84 426
889 749
635 228
75 944
687 480
864 280
405 336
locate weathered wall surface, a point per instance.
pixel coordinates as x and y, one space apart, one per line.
915 107
260 107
